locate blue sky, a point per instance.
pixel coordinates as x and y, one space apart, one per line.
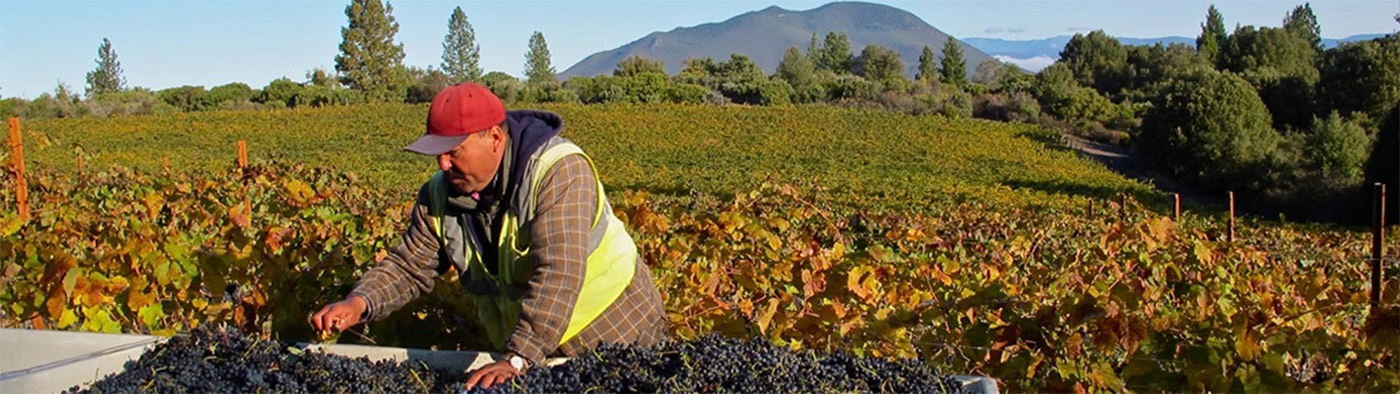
163 44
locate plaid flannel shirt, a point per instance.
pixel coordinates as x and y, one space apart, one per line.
568 200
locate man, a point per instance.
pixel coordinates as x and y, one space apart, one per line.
520 213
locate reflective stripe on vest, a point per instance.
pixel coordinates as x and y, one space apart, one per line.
610 266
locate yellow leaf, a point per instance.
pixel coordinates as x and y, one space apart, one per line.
838 251
767 317
1246 343
10 224
299 191
136 300
67 318
1203 253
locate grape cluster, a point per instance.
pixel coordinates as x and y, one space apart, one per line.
222 360
715 363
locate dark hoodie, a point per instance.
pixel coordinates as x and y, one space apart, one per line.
528 131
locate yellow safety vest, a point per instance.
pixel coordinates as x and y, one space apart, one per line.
611 263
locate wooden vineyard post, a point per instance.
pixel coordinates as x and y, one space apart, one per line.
242 154
1230 227
1377 241
17 164
1177 216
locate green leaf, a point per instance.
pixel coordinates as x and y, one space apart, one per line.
70 280
150 315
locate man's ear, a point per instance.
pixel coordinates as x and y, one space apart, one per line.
498 137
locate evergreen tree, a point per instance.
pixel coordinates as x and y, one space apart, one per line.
739 68
1212 37
1338 148
877 63
953 68
460 54
835 54
1362 77
1384 164
369 60
1097 60
1282 66
537 67
799 72
107 77
319 77
1303 23
636 65
1210 127
928 70
812 50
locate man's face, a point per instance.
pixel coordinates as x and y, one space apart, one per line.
473 163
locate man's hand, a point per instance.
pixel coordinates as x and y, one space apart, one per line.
491 374
339 316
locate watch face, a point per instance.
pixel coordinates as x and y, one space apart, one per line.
517 362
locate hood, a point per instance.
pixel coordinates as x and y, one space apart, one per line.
530 130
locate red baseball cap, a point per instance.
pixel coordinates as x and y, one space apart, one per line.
456 112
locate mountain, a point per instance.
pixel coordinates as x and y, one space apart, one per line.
1333 42
765 34
1037 54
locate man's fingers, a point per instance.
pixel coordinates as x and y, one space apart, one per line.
496 378
473 379
316 320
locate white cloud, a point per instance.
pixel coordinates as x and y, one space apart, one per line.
1034 64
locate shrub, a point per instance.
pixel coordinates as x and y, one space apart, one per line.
1210 127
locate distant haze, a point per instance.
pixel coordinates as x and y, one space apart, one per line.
764 35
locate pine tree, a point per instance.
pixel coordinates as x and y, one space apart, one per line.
1303 23
799 73
107 77
835 54
369 60
1212 37
460 54
813 50
537 67
928 70
953 68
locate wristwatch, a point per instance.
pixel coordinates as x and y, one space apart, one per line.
518 362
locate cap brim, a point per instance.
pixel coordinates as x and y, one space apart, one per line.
433 145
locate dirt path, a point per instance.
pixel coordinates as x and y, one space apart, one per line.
1122 161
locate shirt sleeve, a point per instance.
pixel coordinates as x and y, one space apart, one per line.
409 268
568 202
